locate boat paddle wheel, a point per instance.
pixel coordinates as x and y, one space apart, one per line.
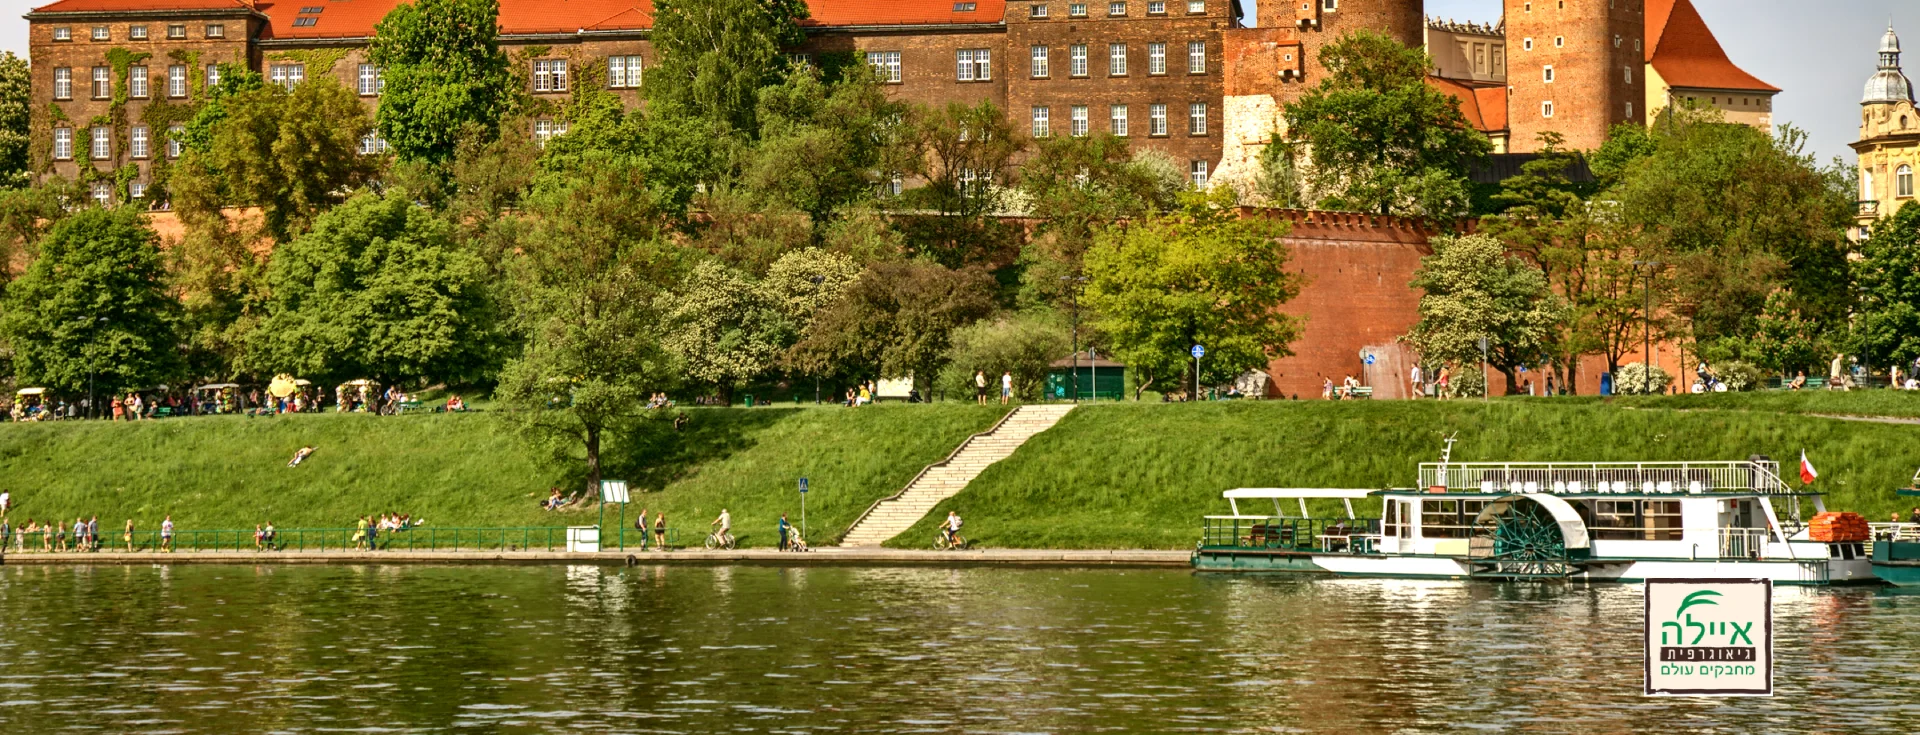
1518 538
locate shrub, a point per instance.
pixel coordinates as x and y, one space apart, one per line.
1741 375
1633 380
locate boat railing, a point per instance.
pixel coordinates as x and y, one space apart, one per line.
1752 476
1275 533
1743 543
1895 531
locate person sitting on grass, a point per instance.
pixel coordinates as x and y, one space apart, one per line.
300 456
553 501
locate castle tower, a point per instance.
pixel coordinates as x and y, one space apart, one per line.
1329 19
1575 67
1889 145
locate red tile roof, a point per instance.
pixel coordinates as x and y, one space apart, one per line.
89 6
1686 54
831 13
1484 105
356 18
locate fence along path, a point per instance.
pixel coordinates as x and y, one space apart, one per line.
946 478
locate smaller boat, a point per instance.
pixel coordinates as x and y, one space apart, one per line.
1896 546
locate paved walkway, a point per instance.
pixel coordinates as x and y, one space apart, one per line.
824 556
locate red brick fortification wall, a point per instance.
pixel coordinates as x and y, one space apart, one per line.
1356 297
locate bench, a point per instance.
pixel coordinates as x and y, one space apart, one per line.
162 412
409 405
1361 392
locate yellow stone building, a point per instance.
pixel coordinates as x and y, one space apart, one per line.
1889 145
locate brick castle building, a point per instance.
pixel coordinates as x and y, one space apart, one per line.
1201 80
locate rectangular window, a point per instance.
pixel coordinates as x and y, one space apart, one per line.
305 21
1077 58
975 65
176 30
1156 58
1546 108
550 75
888 63
623 72
103 193
1196 7
213 75
1157 7
1115 10
1546 74
216 30
100 33
1903 181
1627 72
137 82
1079 121
1329 5
177 81
137 141
1077 10
369 80
102 148
372 145
137 189
137 33
174 144
1156 119
1196 57
963 7
63 33
1039 10
1117 59
62 83
1197 118
1117 117
288 75
102 82
1042 122
1629 110
62 143
545 130
1038 68
1198 171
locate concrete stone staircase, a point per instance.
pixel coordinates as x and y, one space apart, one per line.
945 478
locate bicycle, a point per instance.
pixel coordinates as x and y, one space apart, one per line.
940 542
718 540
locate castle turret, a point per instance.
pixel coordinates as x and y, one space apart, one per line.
1574 67
1889 84
1889 145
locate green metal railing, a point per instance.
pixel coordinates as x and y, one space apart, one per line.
1289 534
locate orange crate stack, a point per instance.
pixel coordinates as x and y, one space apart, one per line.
1839 527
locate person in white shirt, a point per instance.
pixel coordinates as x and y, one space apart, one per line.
725 522
1006 388
6 503
951 527
1413 377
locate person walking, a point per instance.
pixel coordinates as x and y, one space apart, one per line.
1443 387
980 387
785 528
93 533
1006 388
1413 379
660 531
640 524
128 536
6 503
166 534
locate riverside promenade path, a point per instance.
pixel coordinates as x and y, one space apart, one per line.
822 556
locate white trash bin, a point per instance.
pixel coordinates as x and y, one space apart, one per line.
583 538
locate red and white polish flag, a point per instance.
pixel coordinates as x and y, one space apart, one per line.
1807 473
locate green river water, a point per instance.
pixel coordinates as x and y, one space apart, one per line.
270 649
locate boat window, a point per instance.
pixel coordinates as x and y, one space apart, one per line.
1615 520
1448 518
1662 520
1389 521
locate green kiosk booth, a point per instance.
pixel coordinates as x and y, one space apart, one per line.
1098 378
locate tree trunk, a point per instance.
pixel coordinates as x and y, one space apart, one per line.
593 463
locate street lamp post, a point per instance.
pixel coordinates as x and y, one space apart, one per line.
1646 327
1073 299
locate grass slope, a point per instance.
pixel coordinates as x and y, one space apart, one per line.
227 472
1141 476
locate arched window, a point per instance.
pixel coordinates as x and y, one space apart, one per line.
1903 181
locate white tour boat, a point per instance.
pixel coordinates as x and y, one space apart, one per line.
1595 521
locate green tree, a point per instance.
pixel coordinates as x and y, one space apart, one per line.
896 320
15 103
723 327
589 272
378 289
1024 344
1887 323
804 283
715 55
93 313
822 144
443 69
292 154
1076 186
1378 137
963 153
1198 275
1476 290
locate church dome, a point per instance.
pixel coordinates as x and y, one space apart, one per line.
1888 84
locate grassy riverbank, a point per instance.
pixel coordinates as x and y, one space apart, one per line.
1141 476
468 469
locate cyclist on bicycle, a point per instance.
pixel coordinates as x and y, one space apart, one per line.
725 522
951 528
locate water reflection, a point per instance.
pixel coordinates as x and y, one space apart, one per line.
251 649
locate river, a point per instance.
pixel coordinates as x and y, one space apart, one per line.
270 649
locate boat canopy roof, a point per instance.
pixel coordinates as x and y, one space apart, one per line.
1296 492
